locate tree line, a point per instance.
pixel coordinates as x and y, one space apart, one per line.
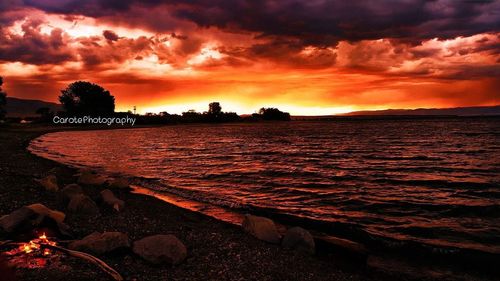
85 98
3 100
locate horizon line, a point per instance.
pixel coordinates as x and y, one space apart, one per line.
282 108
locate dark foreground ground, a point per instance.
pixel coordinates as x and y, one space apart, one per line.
216 250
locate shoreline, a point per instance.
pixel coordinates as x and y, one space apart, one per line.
216 250
147 205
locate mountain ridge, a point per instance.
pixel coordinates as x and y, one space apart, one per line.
20 108
454 111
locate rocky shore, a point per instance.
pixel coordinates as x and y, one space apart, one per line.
144 238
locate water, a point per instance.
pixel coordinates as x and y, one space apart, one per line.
433 181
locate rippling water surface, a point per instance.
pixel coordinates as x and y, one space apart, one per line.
433 181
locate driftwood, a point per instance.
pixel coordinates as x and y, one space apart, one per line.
101 264
106 268
8 242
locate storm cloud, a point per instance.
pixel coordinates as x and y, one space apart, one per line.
314 21
34 47
303 51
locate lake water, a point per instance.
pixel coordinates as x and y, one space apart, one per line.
429 181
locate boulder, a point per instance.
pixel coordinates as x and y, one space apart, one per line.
159 249
14 220
101 243
49 183
71 190
119 183
299 239
82 204
42 210
90 178
34 215
110 199
47 216
262 228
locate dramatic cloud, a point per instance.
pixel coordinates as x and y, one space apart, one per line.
321 22
308 56
314 21
110 35
29 45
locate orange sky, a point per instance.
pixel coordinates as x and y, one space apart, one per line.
174 57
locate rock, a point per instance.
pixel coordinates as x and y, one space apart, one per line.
82 204
69 191
42 210
119 183
262 228
159 249
14 220
89 178
33 216
101 243
109 198
299 239
53 216
49 183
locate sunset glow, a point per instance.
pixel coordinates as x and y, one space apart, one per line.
305 57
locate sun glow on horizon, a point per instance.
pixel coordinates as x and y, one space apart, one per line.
239 108
159 59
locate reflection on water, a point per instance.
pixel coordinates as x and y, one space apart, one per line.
431 181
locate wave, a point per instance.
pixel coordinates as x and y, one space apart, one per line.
403 158
437 183
352 180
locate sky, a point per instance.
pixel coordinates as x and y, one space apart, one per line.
309 57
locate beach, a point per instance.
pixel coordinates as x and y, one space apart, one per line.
216 250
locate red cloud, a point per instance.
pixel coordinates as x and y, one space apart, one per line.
287 52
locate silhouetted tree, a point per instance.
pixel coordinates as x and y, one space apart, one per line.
214 109
45 114
214 114
3 100
192 116
273 114
230 117
83 97
191 112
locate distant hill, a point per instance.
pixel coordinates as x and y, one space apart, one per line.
456 111
26 108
